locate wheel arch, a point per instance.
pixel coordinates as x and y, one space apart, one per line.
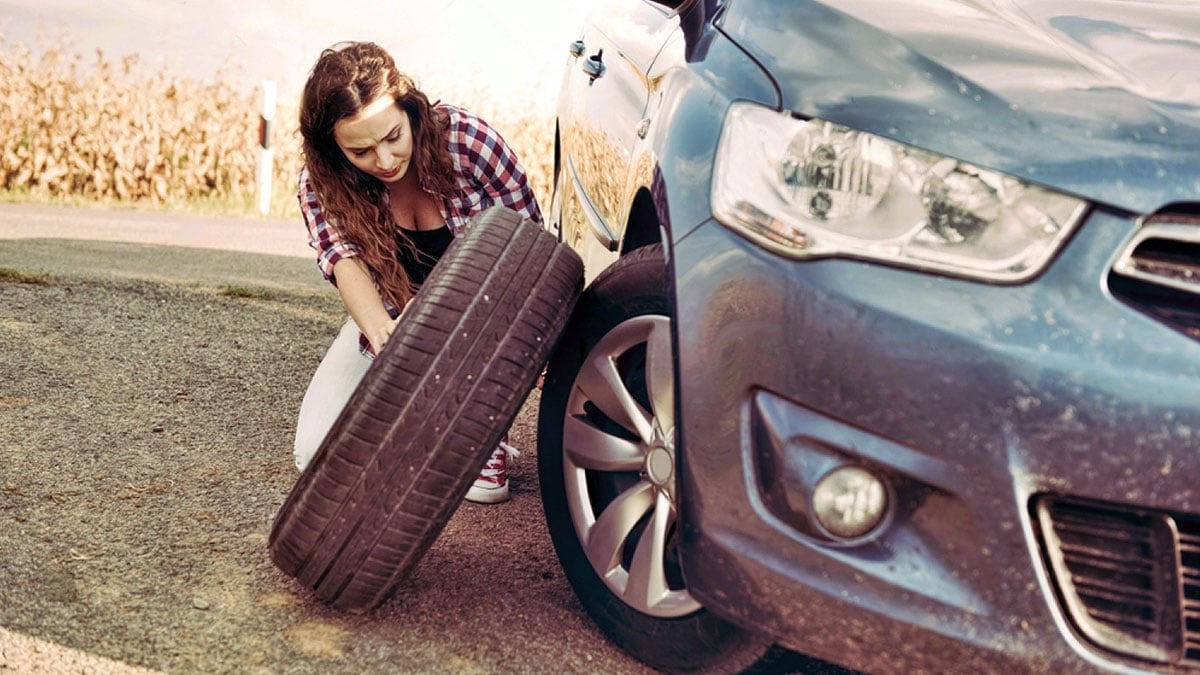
645 225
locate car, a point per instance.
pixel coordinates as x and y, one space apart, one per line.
889 353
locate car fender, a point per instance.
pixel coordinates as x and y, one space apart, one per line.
673 164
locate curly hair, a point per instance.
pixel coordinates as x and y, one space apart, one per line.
347 78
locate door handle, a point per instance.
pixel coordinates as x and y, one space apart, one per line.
577 48
594 65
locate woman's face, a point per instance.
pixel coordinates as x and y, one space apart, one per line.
378 140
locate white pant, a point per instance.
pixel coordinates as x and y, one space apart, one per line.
335 380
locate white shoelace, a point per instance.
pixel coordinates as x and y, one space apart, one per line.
509 453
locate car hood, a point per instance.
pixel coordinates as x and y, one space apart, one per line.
1097 98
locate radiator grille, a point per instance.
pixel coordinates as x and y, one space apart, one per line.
1128 579
1189 552
1159 271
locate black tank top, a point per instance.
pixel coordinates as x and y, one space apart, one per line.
429 245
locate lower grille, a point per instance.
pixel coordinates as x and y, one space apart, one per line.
1159 271
1128 579
1189 552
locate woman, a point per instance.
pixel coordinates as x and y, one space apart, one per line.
389 180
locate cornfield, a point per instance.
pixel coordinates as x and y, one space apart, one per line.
107 131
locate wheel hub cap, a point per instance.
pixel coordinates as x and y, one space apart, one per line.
659 465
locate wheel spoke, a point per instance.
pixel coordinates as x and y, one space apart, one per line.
601 383
607 536
590 448
660 376
647 573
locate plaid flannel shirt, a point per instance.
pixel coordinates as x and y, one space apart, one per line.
487 173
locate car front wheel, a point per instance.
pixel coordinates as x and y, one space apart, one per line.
607 465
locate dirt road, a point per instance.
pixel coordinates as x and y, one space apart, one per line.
146 418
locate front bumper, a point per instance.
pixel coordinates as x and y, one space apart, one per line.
974 400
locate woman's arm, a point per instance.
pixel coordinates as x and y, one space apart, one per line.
339 263
324 233
363 303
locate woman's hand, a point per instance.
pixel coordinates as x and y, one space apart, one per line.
363 302
380 336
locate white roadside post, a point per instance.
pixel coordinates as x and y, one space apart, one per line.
265 152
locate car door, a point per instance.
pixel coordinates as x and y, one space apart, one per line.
601 111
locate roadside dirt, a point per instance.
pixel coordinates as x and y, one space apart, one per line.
147 407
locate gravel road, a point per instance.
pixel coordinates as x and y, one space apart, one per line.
146 420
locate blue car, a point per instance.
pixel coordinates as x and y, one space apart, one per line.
890 350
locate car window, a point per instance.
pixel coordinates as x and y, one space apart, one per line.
670 4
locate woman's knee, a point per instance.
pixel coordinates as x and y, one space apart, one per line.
332 384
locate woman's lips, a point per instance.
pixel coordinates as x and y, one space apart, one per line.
391 174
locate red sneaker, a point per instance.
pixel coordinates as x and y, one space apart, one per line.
491 487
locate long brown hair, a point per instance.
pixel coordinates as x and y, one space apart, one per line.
346 78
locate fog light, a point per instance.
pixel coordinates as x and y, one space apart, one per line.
849 502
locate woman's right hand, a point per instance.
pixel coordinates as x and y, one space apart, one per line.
363 302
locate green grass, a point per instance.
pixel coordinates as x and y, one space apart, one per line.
248 293
15 276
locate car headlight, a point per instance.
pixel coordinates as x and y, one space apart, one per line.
808 188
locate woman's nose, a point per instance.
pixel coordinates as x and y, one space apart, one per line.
384 159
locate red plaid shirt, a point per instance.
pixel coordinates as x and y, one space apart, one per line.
487 173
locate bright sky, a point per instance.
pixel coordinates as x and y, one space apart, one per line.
511 47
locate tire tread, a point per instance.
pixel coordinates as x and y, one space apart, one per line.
401 456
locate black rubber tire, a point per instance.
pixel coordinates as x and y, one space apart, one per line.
634 286
429 411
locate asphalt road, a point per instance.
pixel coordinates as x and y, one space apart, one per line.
145 423
154 367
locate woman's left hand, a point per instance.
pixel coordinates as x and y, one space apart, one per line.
385 331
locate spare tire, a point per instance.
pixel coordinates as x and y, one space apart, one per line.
428 412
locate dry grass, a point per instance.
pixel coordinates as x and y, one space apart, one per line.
97 131
16 276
